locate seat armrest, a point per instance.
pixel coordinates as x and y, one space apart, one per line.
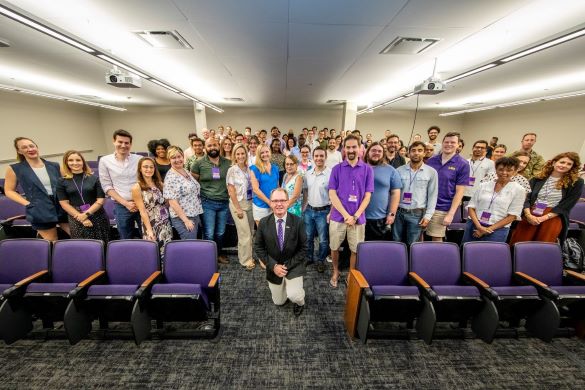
147 285
578 222
214 281
575 276
20 286
483 287
422 285
10 221
360 278
542 288
85 284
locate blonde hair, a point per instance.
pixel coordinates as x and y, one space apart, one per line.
235 149
259 164
172 150
67 174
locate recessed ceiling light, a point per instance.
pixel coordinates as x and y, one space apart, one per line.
403 45
164 39
233 99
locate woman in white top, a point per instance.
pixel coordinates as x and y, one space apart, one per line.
38 178
305 164
182 192
524 159
240 191
495 205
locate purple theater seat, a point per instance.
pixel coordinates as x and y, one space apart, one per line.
72 262
388 295
109 209
190 291
577 216
438 263
131 262
456 291
22 257
9 209
515 291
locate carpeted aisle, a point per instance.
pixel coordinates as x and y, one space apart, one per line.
263 346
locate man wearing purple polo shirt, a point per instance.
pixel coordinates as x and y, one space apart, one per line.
453 174
350 188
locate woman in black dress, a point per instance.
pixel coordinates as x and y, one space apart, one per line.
81 196
158 150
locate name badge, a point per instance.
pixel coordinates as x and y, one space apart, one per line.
539 209
484 220
164 214
84 207
249 193
215 173
407 199
471 182
352 198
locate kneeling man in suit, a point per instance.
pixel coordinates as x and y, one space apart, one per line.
282 242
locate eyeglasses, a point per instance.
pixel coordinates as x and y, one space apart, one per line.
290 164
279 200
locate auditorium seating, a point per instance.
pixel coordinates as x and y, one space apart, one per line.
22 261
488 266
577 217
189 289
436 270
540 264
388 295
132 266
73 263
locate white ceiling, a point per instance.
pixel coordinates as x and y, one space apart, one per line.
298 53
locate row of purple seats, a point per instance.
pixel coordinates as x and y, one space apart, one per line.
72 283
487 287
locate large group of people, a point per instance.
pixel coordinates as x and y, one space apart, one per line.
285 192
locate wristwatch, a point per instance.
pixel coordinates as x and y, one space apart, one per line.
391 215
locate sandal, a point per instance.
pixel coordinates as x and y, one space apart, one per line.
333 282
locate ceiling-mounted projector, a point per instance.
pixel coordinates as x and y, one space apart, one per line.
120 79
430 86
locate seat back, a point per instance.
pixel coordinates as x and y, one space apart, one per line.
577 213
438 263
22 257
75 260
109 209
190 261
9 208
489 261
541 260
131 261
383 262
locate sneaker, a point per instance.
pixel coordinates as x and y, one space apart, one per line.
329 260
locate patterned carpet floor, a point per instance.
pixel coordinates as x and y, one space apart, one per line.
263 347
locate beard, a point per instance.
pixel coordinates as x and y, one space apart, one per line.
213 153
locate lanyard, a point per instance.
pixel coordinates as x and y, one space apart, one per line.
412 179
79 191
494 195
472 164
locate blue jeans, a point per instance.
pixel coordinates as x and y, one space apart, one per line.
316 222
499 235
215 214
128 223
185 234
406 226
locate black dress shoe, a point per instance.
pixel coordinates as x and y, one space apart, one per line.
298 309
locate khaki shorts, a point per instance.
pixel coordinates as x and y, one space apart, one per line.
338 231
435 228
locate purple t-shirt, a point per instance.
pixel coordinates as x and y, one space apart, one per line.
454 173
351 184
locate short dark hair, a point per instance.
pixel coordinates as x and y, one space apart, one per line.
415 144
262 131
462 142
524 136
122 133
508 162
393 136
155 143
196 139
453 134
481 141
496 138
192 135
318 148
349 138
434 128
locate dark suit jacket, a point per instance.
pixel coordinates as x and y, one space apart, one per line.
294 252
